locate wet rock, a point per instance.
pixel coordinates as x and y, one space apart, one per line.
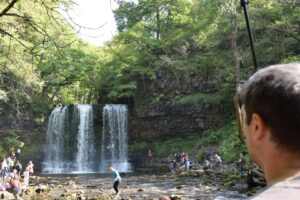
196 173
175 197
70 183
209 171
42 188
91 186
184 174
80 192
179 187
228 184
6 195
65 194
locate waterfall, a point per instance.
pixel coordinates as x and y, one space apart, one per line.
86 139
54 159
114 138
85 144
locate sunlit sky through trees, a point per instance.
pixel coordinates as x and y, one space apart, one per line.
94 19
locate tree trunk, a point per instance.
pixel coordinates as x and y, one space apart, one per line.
234 44
158 23
282 38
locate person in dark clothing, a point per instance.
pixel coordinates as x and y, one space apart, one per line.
18 167
241 164
178 157
18 154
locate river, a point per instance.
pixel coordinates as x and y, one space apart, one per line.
133 186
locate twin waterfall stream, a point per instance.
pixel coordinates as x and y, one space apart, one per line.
79 141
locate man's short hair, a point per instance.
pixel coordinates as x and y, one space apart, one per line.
274 94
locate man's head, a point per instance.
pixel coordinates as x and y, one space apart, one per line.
271 100
110 169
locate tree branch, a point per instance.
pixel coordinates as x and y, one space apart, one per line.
8 7
16 39
284 32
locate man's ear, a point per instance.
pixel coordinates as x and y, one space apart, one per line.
258 127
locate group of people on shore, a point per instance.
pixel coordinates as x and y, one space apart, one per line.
12 178
269 114
180 162
211 162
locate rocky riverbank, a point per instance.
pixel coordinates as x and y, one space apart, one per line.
195 184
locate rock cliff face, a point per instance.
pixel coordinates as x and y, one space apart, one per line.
158 121
28 128
158 112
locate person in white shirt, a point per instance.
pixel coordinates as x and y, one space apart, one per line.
26 177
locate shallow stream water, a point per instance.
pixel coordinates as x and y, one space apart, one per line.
138 187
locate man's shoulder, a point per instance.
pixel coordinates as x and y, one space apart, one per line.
281 190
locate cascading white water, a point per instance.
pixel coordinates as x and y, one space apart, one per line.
85 140
114 138
54 159
76 145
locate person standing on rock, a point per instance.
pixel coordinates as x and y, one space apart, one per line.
117 179
26 177
217 159
270 114
3 168
150 155
18 167
241 164
18 154
30 167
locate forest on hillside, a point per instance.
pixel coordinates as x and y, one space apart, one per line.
43 62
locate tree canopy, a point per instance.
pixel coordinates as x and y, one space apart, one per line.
43 61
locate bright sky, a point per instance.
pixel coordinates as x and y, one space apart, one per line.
93 14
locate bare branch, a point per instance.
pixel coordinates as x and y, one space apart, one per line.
84 27
285 32
8 7
16 39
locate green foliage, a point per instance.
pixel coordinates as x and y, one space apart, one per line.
224 94
226 137
230 144
167 147
11 141
202 97
138 146
171 146
43 62
231 147
25 38
159 98
291 59
200 155
3 152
